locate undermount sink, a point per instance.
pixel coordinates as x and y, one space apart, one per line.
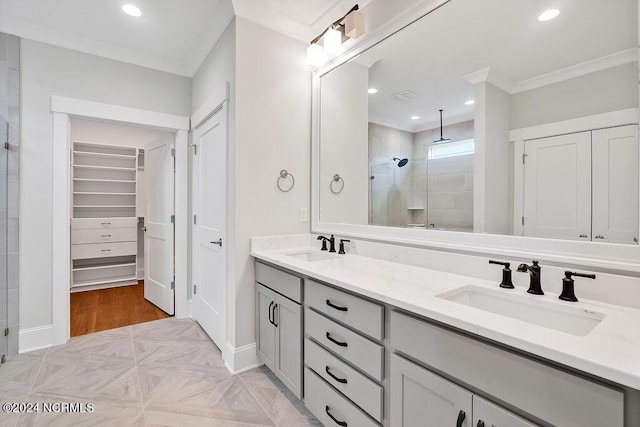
311 256
572 320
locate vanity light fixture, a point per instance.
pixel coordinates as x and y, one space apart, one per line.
372 90
415 117
351 25
469 102
548 15
132 10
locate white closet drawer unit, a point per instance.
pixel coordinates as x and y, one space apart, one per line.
100 250
361 390
329 407
104 236
96 223
364 316
356 349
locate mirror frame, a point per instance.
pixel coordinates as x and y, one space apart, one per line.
623 259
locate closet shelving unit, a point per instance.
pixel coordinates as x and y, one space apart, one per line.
104 222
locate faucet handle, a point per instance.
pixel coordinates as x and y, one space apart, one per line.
342 242
324 242
506 283
568 292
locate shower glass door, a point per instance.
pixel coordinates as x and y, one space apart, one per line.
3 238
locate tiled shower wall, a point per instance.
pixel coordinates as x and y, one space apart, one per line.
10 113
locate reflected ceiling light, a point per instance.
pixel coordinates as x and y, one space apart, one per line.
131 10
415 117
548 15
372 90
351 25
469 102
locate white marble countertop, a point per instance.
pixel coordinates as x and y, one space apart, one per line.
610 351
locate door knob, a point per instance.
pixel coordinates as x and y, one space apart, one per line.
217 242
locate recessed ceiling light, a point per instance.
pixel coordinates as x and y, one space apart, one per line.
372 90
469 102
415 117
548 15
131 10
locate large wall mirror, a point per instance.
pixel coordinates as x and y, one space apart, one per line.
482 118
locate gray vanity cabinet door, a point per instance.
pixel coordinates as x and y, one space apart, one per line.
288 317
266 332
420 398
488 414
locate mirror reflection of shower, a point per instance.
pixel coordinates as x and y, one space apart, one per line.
401 162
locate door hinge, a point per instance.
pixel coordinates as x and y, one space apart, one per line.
3 359
173 282
6 332
194 219
173 219
173 152
195 149
6 145
194 289
522 220
524 156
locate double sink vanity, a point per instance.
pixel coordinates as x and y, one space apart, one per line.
367 342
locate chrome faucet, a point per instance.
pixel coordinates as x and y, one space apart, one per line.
534 274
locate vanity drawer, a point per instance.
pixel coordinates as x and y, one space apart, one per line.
102 236
359 351
360 389
95 223
324 403
286 284
548 393
365 316
100 250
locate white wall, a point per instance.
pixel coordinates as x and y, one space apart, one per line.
344 112
594 93
273 122
113 134
47 71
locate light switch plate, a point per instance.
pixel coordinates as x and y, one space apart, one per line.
304 215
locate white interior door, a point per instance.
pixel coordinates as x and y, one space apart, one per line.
557 187
209 230
159 235
615 185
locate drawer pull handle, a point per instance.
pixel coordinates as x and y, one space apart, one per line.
480 423
461 416
270 318
337 307
105 250
105 224
332 375
335 420
333 340
599 236
106 236
275 307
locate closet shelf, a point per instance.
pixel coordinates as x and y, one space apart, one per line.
104 168
102 193
104 266
105 206
104 155
103 180
103 281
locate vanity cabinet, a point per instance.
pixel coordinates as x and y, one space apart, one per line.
531 387
420 397
344 356
279 325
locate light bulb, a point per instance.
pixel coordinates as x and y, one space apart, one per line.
548 15
316 56
131 10
332 41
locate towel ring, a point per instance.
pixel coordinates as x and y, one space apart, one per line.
284 174
336 178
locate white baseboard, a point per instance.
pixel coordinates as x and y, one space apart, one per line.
35 338
240 359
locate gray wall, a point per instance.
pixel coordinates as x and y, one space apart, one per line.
594 93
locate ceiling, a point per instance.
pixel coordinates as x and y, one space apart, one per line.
171 35
432 56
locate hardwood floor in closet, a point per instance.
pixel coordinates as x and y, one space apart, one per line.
94 311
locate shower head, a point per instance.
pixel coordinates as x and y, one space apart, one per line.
401 162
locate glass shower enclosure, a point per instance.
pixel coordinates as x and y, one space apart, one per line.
4 234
